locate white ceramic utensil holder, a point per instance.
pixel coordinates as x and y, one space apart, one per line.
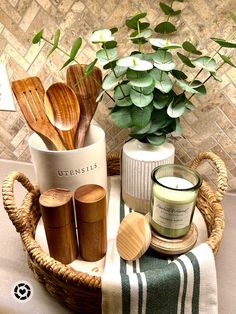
138 161
70 168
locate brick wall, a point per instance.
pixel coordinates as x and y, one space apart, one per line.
212 126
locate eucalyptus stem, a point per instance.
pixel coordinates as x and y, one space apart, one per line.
210 76
112 68
59 48
139 44
216 52
171 5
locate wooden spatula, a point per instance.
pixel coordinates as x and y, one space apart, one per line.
86 90
63 110
29 94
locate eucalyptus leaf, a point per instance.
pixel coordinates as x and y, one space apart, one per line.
56 37
145 90
138 136
122 91
179 74
143 79
226 59
137 130
68 61
224 43
133 21
165 28
162 43
101 36
178 129
162 100
37 37
143 25
135 63
124 102
109 65
114 30
176 109
55 41
75 48
141 116
206 63
199 87
90 67
185 60
156 139
143 34
163 60
168 10
139 99
122 117
110 81
216 77
162 80
119 71
139 41
109 44
159 120
186 86
191 48
189 106
106 54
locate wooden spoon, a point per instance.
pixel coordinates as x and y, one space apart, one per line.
29 94
86 90
63 110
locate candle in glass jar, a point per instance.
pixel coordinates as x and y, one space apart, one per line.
174 193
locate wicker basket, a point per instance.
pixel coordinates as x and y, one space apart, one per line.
77 290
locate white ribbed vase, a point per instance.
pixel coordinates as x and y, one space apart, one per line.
138 161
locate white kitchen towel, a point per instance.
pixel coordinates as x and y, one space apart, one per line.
153 284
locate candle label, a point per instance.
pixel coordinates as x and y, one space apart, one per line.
172 215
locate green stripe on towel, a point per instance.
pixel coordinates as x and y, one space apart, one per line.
184 285
163 290
140 294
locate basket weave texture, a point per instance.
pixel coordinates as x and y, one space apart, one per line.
77 290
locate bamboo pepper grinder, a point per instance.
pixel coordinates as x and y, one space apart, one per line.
90 206
58 217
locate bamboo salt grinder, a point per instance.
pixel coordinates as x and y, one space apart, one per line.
90 207
58 217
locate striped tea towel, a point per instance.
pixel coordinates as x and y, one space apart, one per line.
153 284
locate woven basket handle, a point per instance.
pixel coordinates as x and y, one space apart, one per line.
222 180
19 215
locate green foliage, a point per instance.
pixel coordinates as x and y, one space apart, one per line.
191 48
150 88
37 37
165 28
55 42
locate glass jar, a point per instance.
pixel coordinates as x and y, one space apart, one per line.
174 192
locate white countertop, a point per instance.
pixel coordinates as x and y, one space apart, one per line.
14 267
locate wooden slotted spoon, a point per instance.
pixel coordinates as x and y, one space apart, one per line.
29 94
86 90
63 110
